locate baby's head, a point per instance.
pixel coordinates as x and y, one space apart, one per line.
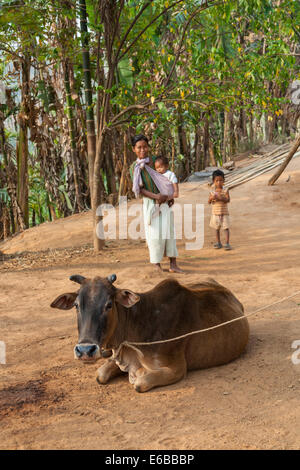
161 164
218 178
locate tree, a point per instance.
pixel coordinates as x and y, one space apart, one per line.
203 79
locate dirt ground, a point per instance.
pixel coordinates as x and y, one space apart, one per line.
50 401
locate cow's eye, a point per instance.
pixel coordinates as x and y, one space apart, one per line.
108 305
76 305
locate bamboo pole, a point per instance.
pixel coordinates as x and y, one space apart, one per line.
248 176
238 182
285 162
257 165
254 170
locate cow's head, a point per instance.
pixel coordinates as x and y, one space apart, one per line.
97 314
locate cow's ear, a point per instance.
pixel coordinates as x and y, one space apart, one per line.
126 298
64 301
112 278
77 278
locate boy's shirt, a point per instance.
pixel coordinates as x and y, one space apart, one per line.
220 207
171 176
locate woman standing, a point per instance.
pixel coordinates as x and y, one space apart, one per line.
158 217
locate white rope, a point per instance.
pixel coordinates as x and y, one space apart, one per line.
132 344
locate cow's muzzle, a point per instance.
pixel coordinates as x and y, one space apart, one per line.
87 352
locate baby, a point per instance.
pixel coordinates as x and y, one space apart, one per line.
162 166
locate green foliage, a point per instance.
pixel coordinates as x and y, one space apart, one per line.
4 197
230 57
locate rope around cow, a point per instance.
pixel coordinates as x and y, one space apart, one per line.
133 345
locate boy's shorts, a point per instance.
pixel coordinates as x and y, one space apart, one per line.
219 221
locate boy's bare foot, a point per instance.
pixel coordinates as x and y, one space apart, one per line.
227 247
218 245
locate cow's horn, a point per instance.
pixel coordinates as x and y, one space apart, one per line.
112 278
77 278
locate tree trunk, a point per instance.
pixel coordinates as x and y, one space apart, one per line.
6 223
22 145
242 125
285 123
206 143
1 222
110 171
183 145
212 153
273 122
225 136
198 153
33 222
17 215
122 186
173 155
125 188
232 142
72 133
97 192
90 120
251 130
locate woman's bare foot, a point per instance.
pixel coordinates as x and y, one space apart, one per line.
174 268
158 268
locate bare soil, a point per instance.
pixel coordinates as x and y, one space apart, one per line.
50 401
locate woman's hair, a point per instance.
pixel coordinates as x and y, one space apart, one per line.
218 173
164 160
137 138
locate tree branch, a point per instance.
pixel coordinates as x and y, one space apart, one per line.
8 51
146 27
130 108
203 7
114 122
130 28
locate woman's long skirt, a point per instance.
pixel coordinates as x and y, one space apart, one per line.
159 230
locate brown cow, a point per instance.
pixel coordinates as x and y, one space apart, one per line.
107 316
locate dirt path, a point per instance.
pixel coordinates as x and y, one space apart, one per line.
49 400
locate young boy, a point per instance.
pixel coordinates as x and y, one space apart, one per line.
162 166
219 198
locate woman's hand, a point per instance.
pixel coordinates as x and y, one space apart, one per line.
161 198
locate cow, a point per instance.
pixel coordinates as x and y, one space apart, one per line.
107 316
